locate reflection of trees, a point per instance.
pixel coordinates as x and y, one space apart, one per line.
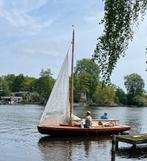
134 117
130 152
56 149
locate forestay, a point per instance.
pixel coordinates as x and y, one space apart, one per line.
57 108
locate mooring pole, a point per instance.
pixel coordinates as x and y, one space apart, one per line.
113 143
113 151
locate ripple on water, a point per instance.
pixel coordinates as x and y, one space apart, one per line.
20 140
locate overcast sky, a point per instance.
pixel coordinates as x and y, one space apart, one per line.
35 35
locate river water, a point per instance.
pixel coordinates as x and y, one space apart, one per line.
20 140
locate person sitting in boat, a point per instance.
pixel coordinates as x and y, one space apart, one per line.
104 117
88 120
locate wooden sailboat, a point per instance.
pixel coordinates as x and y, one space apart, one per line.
57 118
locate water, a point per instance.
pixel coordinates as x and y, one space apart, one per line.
20 140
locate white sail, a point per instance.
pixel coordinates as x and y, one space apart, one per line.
57 108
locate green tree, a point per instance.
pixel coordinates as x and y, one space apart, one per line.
119 19
77 90
135 88
45 73
28 83
121 97
35 97
104 95
4 88
88 66
10 78
145 99
43 86
18 84
86 78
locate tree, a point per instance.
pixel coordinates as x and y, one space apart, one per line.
104 95
77 90
45 73
85 84
135 88
86 78
35 97
4 88
121 97
10 78
119 19
145 100
88 66
18 83
28 83
43 86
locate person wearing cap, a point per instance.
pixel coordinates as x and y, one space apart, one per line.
88 120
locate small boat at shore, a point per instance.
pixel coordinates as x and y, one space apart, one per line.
58 118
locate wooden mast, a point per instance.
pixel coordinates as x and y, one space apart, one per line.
72 78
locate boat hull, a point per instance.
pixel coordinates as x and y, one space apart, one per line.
78 131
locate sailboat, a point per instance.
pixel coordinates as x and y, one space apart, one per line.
58 118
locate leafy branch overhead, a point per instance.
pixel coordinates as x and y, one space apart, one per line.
119 19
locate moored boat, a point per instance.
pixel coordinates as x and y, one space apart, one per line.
78 131
58 119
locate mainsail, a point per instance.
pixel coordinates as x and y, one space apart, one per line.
57 108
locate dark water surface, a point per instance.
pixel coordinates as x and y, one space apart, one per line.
20 140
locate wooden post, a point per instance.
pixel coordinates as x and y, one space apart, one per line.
113 151
116 147
113 155
113 143
134 146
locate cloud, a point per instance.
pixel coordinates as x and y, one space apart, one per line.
41 52
23 5
17 15
93 18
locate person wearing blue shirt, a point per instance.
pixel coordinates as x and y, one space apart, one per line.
104 117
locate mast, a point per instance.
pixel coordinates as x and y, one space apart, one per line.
72 79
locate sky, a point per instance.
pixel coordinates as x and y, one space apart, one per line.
35 35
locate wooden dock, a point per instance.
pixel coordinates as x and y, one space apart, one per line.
130 139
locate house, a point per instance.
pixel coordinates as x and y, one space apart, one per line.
11 100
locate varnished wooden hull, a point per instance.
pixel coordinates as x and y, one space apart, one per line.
78 131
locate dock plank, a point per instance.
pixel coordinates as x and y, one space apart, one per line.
130 139
133 139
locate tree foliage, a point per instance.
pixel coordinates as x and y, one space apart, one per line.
44 85
37 89
104 95
45 73
10 78
4 88
135 89
121 97
134 84
86 78
119 18
18 83
88 66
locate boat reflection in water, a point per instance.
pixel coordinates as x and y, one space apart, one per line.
73 148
